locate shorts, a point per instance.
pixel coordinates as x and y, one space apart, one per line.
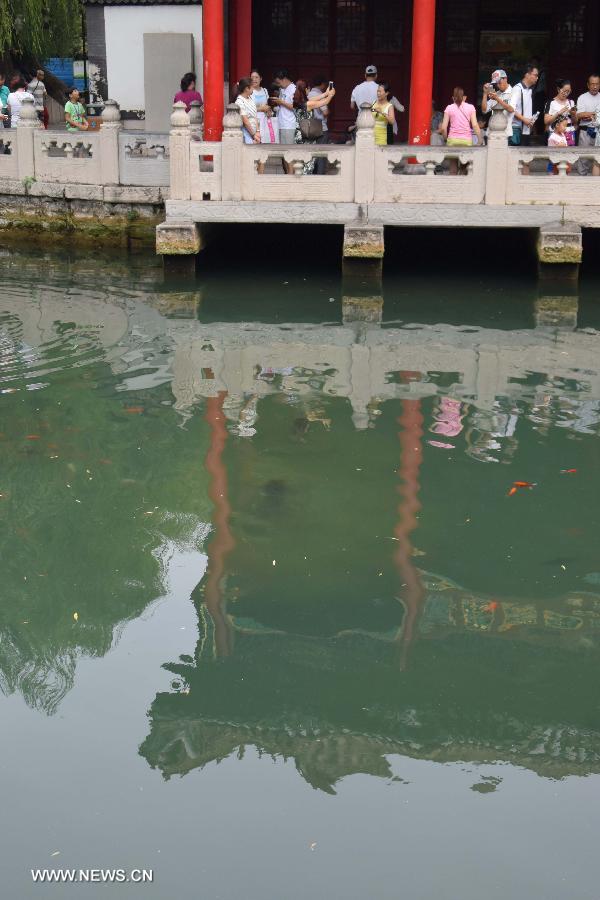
459 142
287 135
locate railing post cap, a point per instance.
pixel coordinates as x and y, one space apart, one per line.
365 117
232 120
195 112
179 117
28 117
111 114
499 120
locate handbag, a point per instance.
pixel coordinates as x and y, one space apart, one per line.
311 129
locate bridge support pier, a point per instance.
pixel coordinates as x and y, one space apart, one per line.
557 310
362 271
179 241
363 241
559 251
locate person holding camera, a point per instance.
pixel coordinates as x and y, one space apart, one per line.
497 94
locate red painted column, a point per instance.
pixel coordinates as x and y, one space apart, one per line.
421 72
214 74
242 58
233 77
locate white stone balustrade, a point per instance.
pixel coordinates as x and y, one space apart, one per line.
90 160
495 175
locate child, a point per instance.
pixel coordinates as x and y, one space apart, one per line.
558 134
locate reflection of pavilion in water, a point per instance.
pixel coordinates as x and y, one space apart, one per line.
490 370
359 360
484 682
454 675
339 705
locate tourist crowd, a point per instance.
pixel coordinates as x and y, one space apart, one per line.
12 95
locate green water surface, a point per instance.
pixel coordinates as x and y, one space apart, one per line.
272 623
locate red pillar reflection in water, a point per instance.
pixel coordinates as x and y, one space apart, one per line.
413 592
222 542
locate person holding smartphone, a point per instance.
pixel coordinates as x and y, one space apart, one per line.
319 87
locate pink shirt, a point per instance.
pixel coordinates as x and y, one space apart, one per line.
187 97
557 140
460 120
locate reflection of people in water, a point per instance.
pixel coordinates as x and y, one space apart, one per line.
448 418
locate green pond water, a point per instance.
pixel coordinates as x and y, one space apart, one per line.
272 622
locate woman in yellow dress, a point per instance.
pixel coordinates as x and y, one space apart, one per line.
383 113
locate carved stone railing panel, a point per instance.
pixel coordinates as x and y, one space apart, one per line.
8 155
337 186
67 158
571 181
144 159
425 175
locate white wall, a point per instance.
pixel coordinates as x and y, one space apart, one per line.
125 27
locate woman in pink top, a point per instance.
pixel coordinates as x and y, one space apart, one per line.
458 124
460 121
188 92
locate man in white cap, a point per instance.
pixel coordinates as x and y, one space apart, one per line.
366 91
497 94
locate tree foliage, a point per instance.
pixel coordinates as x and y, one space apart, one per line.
40 28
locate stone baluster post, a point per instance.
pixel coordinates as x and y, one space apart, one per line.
497 159
364 159
231 159
196 115
108 139
179 142
23 144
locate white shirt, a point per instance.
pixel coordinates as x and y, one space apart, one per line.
588 103
15 101
247 107
366 92
38 89
286 118
318 113
556 106
522 102
399 108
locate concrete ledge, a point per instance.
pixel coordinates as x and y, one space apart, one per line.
12 186
560 243
415 215
84 192
46 189
262 211
115 193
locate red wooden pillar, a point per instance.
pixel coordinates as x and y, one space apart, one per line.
421 71
214 74
241 46
232 71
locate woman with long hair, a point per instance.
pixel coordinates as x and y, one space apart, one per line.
460 121
459 124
